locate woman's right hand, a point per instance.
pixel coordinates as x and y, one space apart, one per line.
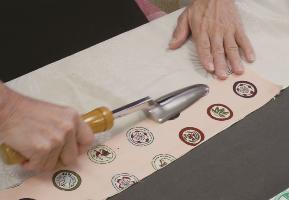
42 132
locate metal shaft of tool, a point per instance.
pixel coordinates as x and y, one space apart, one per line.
138 105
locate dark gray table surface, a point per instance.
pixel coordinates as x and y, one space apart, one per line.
248 161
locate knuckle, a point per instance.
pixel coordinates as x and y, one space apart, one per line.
204 53
218 50
249 51
232 48
242 37
205 45
66 127
180 18
43 148
71 112
57 140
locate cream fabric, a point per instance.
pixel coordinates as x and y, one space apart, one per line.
137 64
145 147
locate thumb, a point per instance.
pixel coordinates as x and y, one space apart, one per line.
181 32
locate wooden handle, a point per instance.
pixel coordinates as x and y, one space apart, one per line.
99 120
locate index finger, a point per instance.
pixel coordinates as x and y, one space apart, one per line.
84 136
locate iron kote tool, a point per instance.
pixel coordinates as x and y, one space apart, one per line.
165 108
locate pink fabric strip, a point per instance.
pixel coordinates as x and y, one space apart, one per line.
150 10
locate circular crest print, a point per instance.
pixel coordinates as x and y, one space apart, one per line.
122 181
162 160
26 199
220 112
101 154
245 89
140 136
191 136
66 180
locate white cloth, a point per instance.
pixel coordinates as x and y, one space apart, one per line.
137 63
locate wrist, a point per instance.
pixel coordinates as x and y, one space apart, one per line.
8 100
3 96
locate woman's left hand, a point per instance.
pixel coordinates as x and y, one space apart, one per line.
216 27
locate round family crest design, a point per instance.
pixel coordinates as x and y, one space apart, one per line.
220 112
282 196
27 199
101 154
140 136
162 160
122 181
245 89
191 136
66 180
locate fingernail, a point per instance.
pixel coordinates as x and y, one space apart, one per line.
173 40
223 75
239 70
252 57
210 67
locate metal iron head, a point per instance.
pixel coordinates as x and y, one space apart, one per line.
166 107
171 105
